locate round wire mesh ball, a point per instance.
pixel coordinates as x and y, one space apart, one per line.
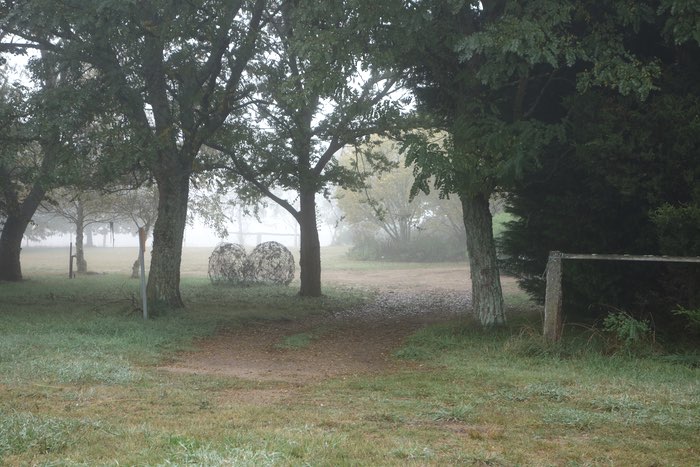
228 264
272 263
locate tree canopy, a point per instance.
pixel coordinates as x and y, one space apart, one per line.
176 72
320 87
584 109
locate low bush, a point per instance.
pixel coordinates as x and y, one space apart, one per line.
423 248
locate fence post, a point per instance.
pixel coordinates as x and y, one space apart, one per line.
553 298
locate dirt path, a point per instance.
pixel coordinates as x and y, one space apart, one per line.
354 341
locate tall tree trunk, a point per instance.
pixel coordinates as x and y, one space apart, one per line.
310 256
79 235
10 248
487 296
168 235
89 241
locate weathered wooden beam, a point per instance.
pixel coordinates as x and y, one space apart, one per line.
605 257
553 298
553 293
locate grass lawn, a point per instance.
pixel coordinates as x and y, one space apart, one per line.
80 385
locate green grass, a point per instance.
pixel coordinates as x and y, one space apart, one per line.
80 385
336 258
297 341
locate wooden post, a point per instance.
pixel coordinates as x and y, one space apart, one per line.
553 293
553 298
142 250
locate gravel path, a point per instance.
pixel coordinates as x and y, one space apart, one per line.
402 305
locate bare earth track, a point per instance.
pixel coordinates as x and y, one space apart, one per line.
355 341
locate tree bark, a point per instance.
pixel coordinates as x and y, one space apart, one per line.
79 235
10 248
487 296
15 225
310 256
168 233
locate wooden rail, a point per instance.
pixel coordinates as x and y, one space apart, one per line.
553 292
658 259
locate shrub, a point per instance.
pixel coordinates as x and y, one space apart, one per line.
628 333
423 248
692 316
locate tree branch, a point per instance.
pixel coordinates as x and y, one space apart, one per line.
248 175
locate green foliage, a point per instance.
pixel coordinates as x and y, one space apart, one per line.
314 99
628 332
682 20
623 183
691 315
677 229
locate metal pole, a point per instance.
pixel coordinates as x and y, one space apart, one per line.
142 263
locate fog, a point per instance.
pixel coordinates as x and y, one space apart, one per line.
272 225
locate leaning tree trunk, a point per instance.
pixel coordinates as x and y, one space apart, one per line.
168 234
310 256
13 231
10 248
487 296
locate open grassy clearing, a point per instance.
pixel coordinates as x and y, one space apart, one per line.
80 385
54 260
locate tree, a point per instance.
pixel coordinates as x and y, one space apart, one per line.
456 159
36 142
316 94
494 75
625 182
177 72
83 208
14 210
384 203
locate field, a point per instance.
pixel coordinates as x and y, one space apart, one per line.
386 369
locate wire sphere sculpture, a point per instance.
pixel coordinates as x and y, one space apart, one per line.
229 264
272 263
